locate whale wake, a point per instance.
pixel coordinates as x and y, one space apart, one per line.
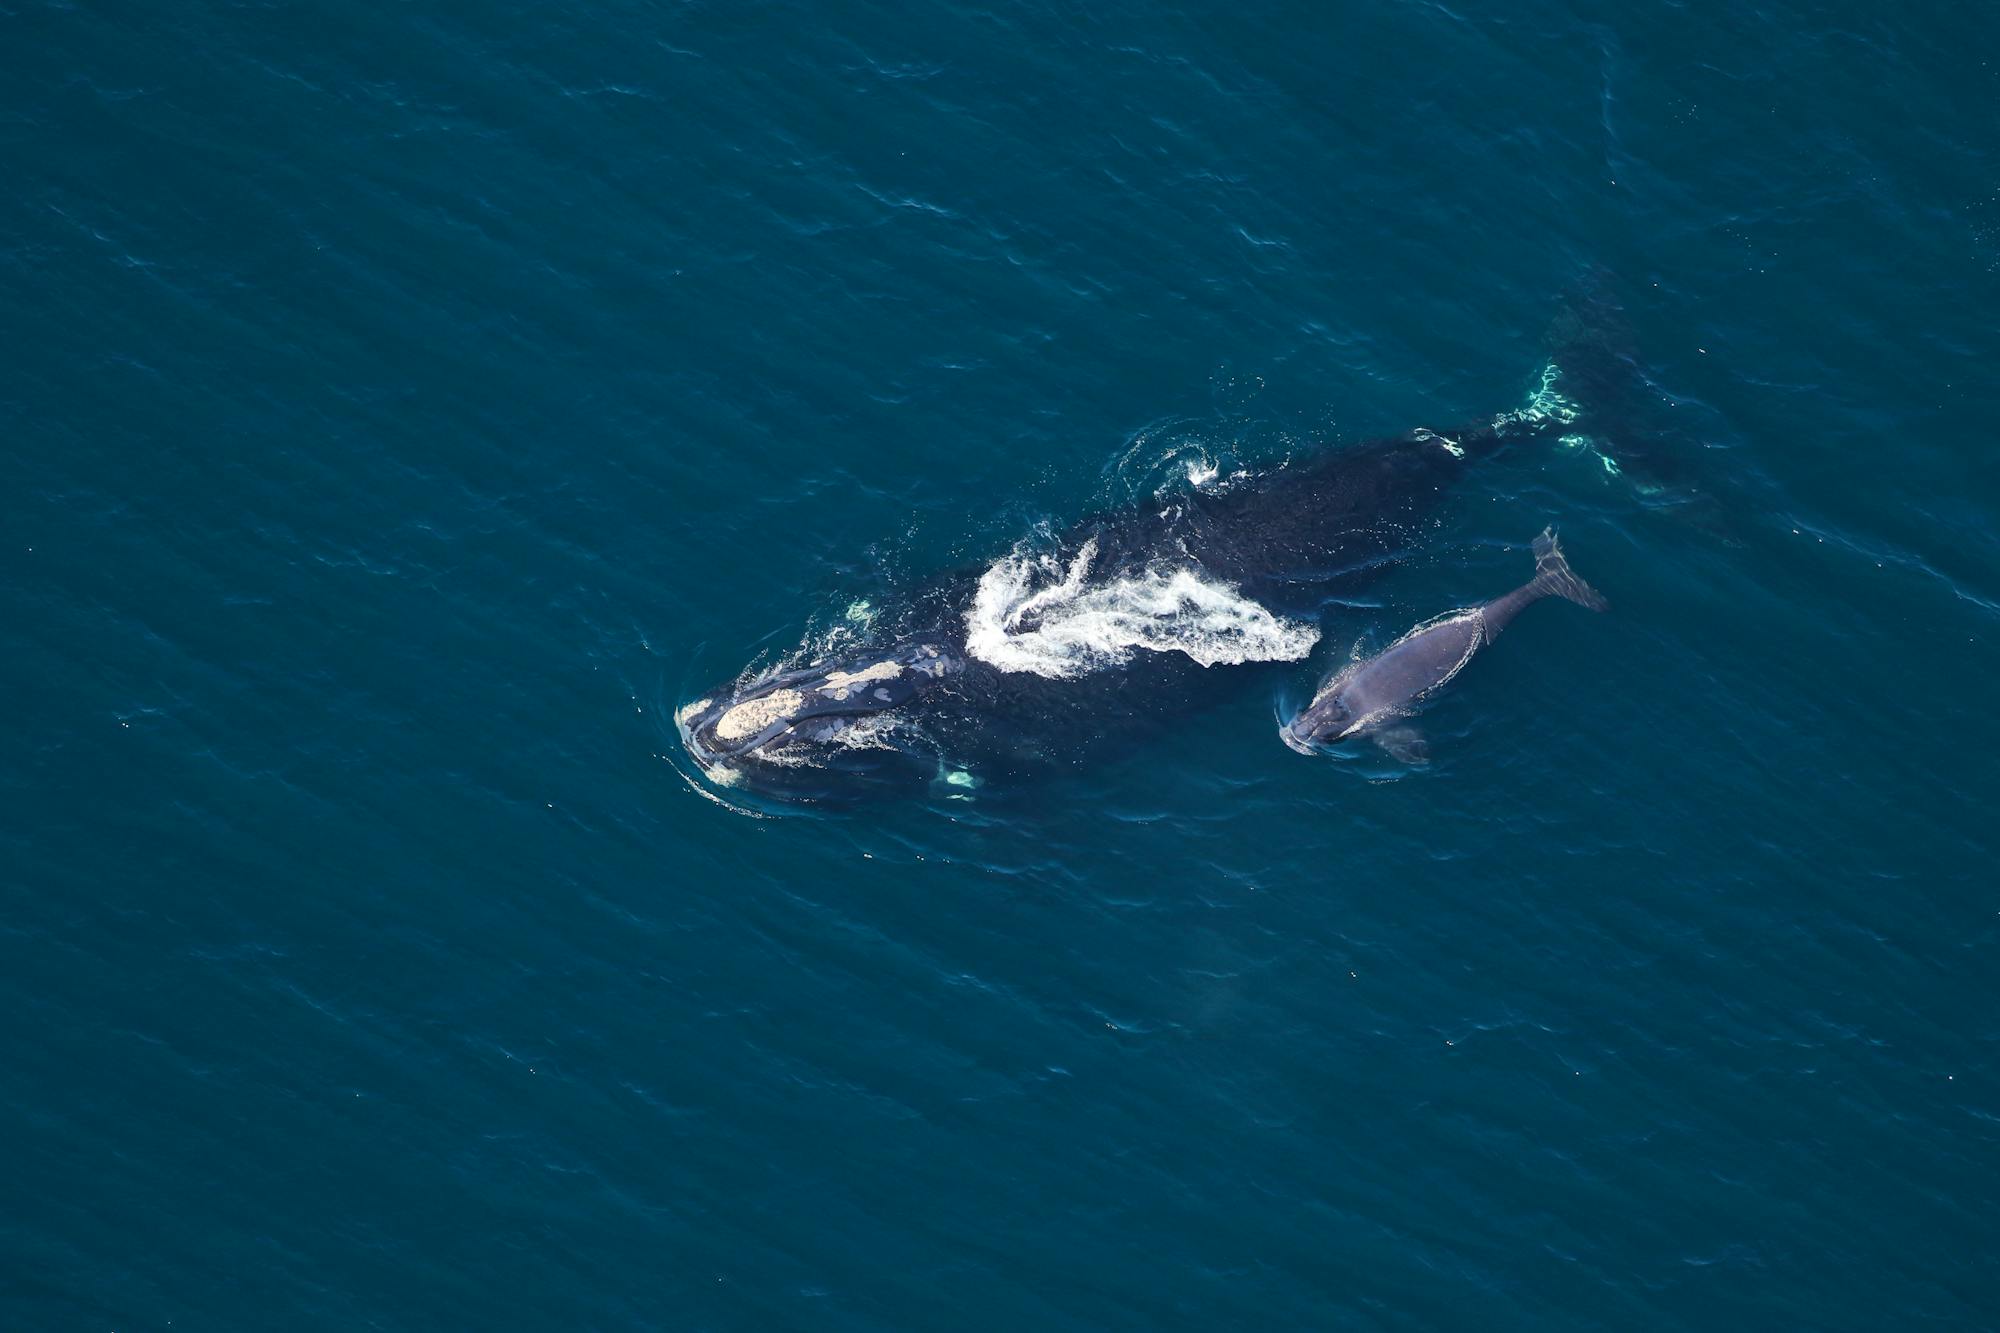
1032 613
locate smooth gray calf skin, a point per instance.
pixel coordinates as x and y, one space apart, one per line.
1370 697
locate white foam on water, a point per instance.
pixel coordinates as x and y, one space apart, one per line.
1424 435
1083 625
877 731
1546 405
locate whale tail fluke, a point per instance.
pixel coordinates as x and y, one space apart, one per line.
1554 577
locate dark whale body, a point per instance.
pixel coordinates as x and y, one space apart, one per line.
927 698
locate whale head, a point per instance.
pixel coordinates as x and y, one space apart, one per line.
1324 721
794 729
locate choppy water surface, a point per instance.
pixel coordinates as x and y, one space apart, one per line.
409 411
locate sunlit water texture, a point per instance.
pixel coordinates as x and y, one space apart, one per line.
410 409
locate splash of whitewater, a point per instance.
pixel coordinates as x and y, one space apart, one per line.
1032 614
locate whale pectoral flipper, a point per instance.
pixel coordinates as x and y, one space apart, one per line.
1403 743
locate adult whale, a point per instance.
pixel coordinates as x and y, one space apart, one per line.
1126 618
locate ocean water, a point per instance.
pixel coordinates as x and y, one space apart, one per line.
407 408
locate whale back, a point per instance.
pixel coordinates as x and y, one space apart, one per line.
1324 528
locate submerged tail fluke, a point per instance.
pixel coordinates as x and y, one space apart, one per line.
1554 577
1597 395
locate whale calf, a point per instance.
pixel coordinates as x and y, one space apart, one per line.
1373 696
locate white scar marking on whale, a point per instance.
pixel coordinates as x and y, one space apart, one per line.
1082 626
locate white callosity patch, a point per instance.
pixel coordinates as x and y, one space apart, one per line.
1081 626
847 684
753 715
932 663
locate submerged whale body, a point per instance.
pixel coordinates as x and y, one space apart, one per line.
1127 619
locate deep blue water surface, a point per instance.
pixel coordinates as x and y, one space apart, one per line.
405 408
